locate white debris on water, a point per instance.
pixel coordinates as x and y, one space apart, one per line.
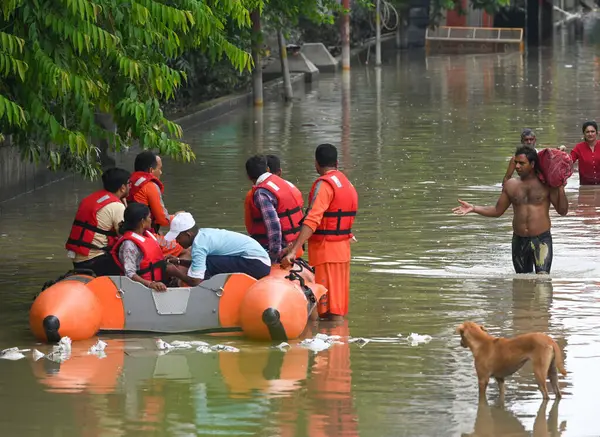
361 342
283 347
64 344
12 354
98 347
181 344
223 348
37 355
417 339
61 352
315 344
163 345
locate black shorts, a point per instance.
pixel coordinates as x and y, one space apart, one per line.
216 264
529 253
102 265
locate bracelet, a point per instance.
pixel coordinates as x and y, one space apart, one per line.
178 261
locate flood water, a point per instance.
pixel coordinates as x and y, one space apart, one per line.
413 136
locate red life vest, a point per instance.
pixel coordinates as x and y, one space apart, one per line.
153 264
85 225
138 179
289 210
339 217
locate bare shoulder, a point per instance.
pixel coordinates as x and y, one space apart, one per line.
511 185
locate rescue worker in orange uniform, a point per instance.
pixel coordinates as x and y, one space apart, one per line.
327 225
94 230
147 188
275 208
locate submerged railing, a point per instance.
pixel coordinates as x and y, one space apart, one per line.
473 39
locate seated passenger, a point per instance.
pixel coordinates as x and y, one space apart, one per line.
215 251
137 253
94 230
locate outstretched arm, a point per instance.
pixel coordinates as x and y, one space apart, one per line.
559 201
487 211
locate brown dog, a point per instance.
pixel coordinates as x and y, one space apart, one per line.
501 357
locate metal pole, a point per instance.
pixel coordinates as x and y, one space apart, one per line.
378 34
346 35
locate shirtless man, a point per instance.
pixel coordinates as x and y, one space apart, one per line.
532 241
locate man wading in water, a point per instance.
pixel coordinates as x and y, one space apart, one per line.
532 241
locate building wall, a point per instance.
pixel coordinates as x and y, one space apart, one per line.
472 18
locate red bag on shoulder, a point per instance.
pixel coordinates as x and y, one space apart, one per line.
556 167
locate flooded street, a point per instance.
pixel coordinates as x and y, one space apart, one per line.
413 137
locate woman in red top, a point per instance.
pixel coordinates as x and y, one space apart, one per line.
585 153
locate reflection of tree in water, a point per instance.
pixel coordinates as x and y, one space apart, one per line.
590 25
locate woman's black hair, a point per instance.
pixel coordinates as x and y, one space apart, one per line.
588 124
134 214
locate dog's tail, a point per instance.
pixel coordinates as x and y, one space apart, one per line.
558 359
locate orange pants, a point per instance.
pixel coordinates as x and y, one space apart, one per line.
336 278
168 248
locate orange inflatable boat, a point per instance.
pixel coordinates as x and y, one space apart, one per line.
276 307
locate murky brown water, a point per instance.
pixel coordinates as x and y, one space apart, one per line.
414 137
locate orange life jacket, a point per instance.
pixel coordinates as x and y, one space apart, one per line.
339 217
153 264
289 210
85 225
138 179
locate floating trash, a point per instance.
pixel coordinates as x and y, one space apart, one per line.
181 344
98 347
223 348
61 352
416 339
203 349
13 354
162 345
37 355
283 347
361 342
316 344
64 345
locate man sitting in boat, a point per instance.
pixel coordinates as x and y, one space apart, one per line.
275 207
137 253
215 251
94 230
147 188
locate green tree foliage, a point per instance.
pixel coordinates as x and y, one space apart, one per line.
63 62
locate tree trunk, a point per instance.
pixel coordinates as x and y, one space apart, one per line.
257 79
378 34
288 93
346 36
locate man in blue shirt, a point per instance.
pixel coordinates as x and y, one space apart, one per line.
215 251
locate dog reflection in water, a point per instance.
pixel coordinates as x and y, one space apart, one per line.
496 421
